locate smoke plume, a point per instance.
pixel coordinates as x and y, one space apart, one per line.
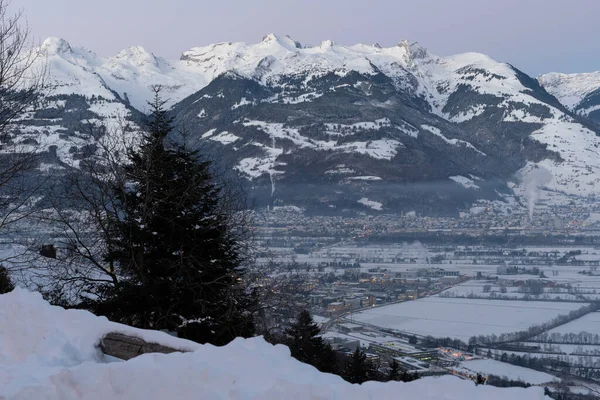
532 182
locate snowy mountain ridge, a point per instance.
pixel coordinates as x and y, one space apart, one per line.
274 57
283 114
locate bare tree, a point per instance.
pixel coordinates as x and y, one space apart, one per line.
83 208
22 80
279 301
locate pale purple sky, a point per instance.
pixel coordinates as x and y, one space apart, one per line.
536 36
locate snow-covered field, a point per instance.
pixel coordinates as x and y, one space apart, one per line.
463 318
588 323
49 353
492 367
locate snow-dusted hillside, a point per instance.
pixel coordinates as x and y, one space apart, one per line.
572 89
282 114
50 353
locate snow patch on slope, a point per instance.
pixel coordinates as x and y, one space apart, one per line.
383 149
340 169
371 204
465 182
454 142
224 138
365 178
241 103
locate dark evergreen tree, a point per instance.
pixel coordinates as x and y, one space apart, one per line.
479 379
406 376
6 284
328 361
394 374
359 369
306 346
179 259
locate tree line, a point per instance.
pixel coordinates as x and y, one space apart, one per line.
496 296
535 330
582 367
568 338
531 333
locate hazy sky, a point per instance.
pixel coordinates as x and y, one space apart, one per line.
536 36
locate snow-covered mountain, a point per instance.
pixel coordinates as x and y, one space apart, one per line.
329 126
578 92
128 76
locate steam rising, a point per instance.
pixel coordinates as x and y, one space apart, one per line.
532 182
415 250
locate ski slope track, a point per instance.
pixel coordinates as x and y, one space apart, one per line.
302 124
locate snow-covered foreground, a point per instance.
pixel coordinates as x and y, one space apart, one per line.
49 353
463 318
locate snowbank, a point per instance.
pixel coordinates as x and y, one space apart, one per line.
49 353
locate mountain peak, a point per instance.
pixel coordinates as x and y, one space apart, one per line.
326 44
137 55
413 49
297 44
270 38
55 45
286 41
134 51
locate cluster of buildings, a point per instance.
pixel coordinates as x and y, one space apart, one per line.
383 348
445 276
350 304
291 222
349 292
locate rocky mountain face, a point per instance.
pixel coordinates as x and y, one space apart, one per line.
332 128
